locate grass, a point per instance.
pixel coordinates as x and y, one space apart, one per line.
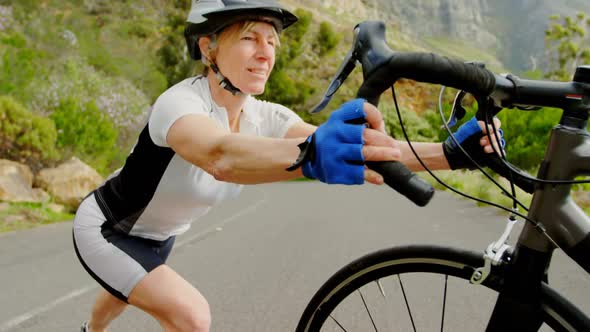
476 184
19 216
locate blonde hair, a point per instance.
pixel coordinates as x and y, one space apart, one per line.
234 32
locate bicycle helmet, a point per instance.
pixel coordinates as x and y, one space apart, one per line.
207 17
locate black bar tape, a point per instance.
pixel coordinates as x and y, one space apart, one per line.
428 68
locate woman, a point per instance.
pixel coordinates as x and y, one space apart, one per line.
205 138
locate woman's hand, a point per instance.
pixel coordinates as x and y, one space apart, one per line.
379 146
473 138
338 149
484 141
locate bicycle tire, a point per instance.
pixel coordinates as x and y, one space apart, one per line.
558 313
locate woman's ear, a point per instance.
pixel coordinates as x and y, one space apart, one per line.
204 44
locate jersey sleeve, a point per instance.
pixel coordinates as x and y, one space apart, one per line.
278 120
169 107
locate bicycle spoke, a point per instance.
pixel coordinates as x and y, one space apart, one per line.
399 278
380 287
335 321
390 311
368 312
442 321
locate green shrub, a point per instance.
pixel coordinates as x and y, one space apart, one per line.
527 134
419 127
116 97
24 136
18 64
284 86
85 132
327 38
173 57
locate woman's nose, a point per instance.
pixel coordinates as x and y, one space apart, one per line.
266 50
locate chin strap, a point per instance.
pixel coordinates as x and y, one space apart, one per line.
224 82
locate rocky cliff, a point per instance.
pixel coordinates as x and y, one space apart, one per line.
511 30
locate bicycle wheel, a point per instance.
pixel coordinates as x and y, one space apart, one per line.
420 288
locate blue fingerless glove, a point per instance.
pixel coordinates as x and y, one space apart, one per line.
468 136
333 154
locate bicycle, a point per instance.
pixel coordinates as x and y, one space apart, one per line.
513 278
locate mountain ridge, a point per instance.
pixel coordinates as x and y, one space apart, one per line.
513 31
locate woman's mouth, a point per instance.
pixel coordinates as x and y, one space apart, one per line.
260 72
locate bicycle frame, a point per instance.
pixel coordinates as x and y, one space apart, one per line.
567 156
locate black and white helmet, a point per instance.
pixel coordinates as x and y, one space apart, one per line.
208 17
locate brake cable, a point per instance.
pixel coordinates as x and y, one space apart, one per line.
536 224
507 165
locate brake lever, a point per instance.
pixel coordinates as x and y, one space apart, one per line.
348 64
371 51
458 112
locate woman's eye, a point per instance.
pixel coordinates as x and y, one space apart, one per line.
247 38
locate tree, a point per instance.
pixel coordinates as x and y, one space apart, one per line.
283 87
568 45
327 38
175 61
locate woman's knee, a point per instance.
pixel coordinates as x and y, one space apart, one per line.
174 302
201 320
189 318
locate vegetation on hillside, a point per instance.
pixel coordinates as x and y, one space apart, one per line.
77 77
568 45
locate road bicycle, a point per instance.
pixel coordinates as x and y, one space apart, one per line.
505 288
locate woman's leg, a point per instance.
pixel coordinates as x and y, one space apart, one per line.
105 309
174 302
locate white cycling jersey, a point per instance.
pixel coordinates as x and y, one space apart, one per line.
157 194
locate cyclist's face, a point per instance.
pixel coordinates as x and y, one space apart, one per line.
247 58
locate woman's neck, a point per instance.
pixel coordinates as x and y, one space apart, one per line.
232 103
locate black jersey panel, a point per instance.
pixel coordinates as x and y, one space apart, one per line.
123 198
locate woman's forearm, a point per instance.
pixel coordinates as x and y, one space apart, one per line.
430 153
251 159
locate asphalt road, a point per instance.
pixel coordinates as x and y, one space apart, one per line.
257 259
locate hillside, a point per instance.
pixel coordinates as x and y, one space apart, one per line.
75 60
78 77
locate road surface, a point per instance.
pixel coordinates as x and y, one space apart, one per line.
257 259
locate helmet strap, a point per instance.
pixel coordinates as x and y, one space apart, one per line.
224 82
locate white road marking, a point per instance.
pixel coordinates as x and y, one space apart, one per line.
11 324
26 316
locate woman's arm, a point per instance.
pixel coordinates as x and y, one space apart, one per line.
433 156
430 153
233 157
238 158
300 129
